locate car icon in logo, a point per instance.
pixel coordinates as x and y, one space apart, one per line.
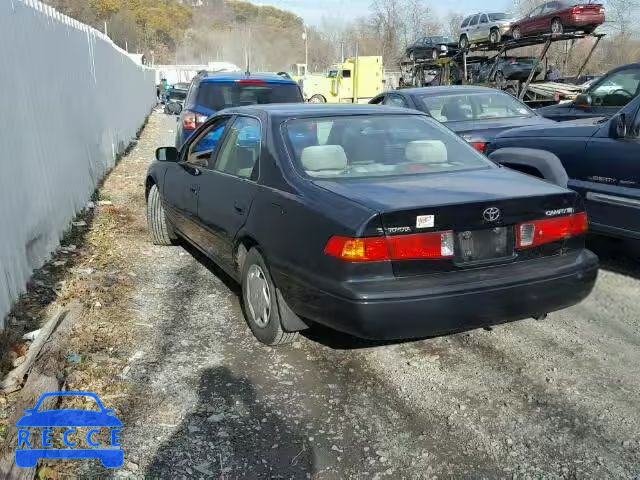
33 446
491 214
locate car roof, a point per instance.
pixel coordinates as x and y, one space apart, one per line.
446 89
324 110
237 76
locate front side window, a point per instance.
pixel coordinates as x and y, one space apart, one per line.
241 149
474 106
616 90
465 22
358 146
346 73
203 148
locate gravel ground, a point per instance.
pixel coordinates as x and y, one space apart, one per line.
558 398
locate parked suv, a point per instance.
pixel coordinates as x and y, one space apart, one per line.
484 27
210 93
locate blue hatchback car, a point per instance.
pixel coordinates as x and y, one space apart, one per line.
210 93
28 455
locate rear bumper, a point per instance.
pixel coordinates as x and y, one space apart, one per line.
454 301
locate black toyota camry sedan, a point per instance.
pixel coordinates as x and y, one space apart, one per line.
380 223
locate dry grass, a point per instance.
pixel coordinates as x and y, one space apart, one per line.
94 264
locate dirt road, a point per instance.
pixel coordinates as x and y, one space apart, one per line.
556 399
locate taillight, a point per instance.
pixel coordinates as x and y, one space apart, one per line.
479 146
192 120
419 246
250 81
539 232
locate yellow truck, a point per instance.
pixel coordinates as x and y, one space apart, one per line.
357 80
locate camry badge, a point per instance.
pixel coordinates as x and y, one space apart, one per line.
491 214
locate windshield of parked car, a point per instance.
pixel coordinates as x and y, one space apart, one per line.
473 106
219 95
357 146
494 17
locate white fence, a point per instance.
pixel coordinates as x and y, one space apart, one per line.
72 100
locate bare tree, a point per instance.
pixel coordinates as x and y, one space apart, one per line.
623 15
452 21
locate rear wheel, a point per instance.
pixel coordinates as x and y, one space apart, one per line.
260 302
464 42
556 26
516 33
494 36
160 230
317 99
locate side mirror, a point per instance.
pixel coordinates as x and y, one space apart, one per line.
583 101
167 154
618 126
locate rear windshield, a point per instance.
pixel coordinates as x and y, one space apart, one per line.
218 95
499 16
377 146
474 106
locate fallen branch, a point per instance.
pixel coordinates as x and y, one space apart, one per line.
43 368
13 380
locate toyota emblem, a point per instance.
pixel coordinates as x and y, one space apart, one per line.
491 214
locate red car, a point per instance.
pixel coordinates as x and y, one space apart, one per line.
559 16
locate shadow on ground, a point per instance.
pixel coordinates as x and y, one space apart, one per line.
231 434
616 255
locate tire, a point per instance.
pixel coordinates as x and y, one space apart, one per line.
463 43
160 230
261 311
317 99
516 33
589 30
494 36
556 27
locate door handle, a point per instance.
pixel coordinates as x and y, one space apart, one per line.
239 208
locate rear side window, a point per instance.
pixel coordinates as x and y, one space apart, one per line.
360 146
219 95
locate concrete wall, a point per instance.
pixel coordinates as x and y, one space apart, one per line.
71 101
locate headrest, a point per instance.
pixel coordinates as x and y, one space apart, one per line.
426 151
319 158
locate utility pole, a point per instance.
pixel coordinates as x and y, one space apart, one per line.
306 47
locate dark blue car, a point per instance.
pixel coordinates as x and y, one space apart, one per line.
378 222
602 159
210 93
31 440
477 114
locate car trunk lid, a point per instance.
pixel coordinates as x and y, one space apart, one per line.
479 209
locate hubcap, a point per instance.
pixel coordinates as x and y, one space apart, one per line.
258 296
556 27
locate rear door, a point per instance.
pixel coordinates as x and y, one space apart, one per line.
529 24
612 186
482 32
228 186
